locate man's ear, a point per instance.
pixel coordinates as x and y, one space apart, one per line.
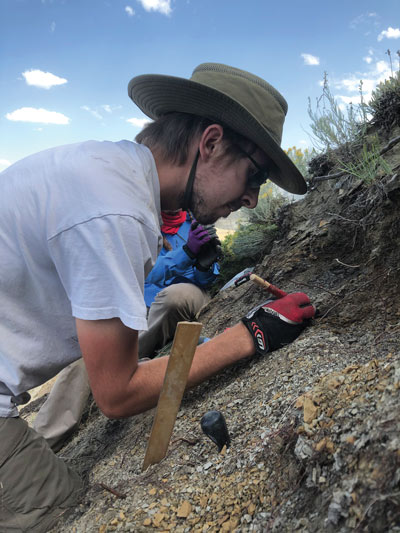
211 141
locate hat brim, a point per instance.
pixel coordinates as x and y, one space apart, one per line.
157 94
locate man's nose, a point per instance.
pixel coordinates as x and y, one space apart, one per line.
250 198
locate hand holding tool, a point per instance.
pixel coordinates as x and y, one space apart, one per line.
197 238
279 322
209 252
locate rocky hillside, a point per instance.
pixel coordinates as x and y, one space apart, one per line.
315 426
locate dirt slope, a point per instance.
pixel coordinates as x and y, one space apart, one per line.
315 426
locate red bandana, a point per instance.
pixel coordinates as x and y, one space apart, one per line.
172 223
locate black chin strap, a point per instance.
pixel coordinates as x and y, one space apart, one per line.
189 186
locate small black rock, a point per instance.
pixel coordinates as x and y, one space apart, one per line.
214 426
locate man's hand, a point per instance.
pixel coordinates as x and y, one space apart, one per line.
210 252
197 238
278 322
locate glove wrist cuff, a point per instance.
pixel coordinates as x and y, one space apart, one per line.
188 251
198 266
260 340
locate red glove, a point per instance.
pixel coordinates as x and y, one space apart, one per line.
278 322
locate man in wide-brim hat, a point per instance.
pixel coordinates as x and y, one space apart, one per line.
79 232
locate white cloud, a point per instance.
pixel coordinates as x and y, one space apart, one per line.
346 100
369 57
110 108
53 27
129 10
32 114
349 84
162 6
138 122
310 60
390 33
44 80
93 112
4 163
378 72
365 20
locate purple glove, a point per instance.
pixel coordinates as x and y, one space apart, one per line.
197 237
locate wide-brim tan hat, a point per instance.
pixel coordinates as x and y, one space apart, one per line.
236 98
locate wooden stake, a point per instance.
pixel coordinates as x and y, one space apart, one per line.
182 352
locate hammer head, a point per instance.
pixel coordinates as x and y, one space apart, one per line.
243 279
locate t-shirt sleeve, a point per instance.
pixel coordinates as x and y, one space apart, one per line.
102 264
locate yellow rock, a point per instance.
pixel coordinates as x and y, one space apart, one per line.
251 508
102 529
158 518
203 501
152 491
320 445
223 519
300 402
335 382
325 444
147 522
350 368
310 410
184 509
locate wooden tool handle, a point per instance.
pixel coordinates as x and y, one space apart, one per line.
271 288
182 352
259 281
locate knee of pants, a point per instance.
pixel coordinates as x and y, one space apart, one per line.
35 484
181 296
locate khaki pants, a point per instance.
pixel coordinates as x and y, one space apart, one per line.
36 487
61 413
176 303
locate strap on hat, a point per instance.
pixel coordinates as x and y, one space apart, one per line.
189 186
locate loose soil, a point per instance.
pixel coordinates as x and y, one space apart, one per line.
315 426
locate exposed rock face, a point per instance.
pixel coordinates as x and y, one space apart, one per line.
315 426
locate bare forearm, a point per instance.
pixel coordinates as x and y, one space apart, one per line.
144 387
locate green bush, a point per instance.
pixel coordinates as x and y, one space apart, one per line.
331 126
384 105
301 158
366 164
254 236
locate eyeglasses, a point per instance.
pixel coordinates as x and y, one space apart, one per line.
258 178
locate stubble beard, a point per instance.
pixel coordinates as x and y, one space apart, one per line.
201 213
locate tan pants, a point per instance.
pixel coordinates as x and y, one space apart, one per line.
61 413
36 487
176 303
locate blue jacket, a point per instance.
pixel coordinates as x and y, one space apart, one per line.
176 266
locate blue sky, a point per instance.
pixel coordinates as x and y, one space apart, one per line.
65 64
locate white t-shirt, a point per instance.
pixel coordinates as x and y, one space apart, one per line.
79 232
